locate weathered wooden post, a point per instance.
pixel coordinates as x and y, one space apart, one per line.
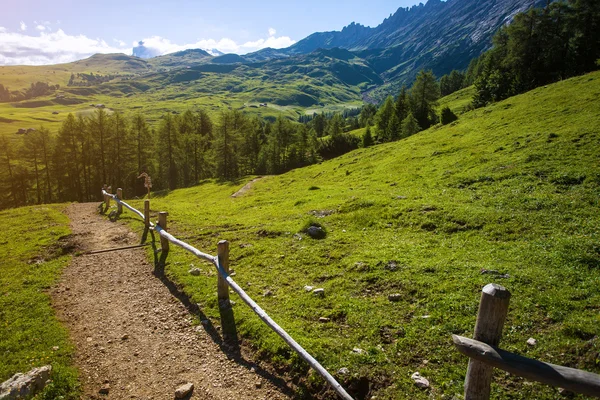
222 286
107 202
164 243
493 309
120 197
146 220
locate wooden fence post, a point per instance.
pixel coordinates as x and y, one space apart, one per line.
120 197
146 220
222 286
493 308
164 243
107 202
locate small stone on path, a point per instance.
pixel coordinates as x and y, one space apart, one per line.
104 389
184 390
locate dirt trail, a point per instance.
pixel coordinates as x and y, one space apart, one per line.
133 334
247 187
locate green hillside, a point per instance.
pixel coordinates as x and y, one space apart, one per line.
33 252
507 194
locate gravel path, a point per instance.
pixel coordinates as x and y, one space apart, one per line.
134 335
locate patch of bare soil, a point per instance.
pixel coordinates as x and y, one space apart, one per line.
133 332
246 187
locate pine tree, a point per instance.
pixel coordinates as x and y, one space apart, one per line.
424 95
336 126
203 137
394 127
100 133
225 146
367 139
410 125
8 184
168 151
382 120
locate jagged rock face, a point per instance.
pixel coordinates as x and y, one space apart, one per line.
439 35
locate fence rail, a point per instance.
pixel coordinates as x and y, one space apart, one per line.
221 263
482 350
484 355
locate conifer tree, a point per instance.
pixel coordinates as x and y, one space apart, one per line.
168 151
382 120
424 95
410 125
367 139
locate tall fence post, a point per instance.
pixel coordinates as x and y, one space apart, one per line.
146 220
493 309
164 243
107 202
120 197
222 287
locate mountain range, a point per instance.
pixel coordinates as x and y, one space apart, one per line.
438 35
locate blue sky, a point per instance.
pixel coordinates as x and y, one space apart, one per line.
45 32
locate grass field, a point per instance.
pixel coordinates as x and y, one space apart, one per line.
511 189
31 262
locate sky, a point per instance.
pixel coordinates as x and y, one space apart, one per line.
38 32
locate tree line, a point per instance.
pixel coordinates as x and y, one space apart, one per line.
34 90
88 152
411 111
541 46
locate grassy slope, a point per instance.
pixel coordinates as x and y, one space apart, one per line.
512 187
30 264
458 101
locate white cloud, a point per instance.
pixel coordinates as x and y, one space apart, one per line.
23 26
54 47
156 45
50 48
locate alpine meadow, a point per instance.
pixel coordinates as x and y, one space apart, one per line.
404 211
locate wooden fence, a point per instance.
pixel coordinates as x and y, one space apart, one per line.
484 355
221 263
482 350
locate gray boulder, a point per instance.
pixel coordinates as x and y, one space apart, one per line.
21 385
